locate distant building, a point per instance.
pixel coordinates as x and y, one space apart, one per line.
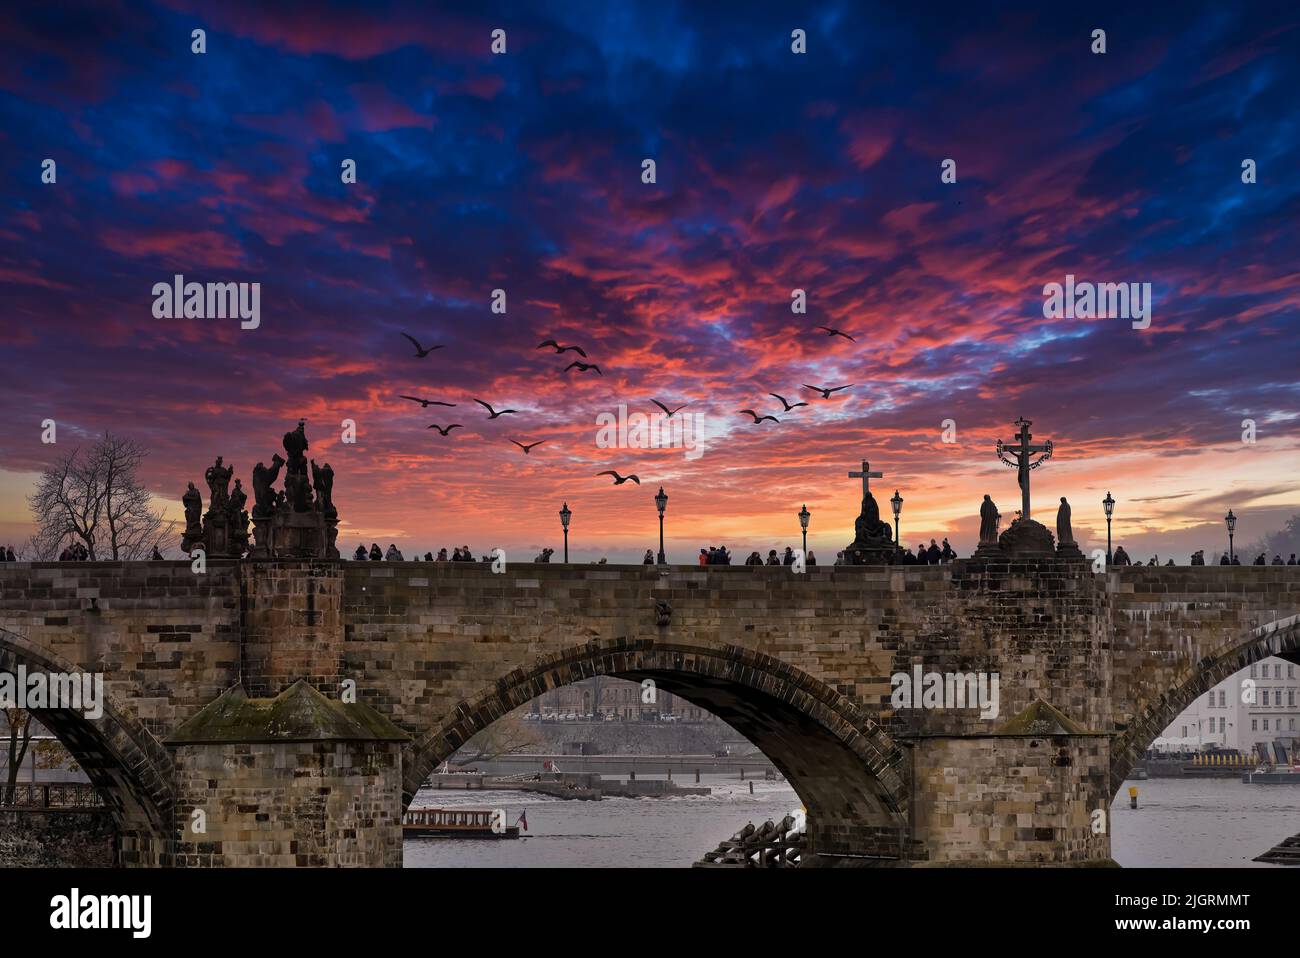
1220 717
604 698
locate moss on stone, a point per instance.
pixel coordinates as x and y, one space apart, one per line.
298 714
1041 718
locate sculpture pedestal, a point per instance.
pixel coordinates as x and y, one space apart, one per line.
1025 537
296 535
1069 550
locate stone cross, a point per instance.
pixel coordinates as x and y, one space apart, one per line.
1022 450
866 475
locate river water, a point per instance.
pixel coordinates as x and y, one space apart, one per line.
1179 823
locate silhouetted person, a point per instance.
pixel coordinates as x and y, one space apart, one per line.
649 558
376 554
1198 557
812 558
1290 561
1277 560
1259 560
788 558
948 553
157 556
754 559
1223 559
360 554
772 557
13 558
933 554
704 557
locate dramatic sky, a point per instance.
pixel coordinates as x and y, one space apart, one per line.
775 171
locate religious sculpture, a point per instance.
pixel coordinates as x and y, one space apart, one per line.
989 517
218 480
264 495
193 502
297 488
1065 544
1063 532
286 523
873 541
322 478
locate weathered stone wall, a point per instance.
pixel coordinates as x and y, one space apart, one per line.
1011 800
167 640
299 805
44 838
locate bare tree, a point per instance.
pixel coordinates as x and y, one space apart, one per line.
506 736
95 497
19 724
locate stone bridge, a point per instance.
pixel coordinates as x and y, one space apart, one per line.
285 713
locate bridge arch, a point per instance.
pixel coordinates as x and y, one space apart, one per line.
1280 638
843 766
121 757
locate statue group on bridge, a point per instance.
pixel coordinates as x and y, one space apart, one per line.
289 523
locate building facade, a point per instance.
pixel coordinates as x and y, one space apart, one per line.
1260 704
609 699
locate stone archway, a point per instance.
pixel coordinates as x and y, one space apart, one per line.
845 769
123 760
1280 638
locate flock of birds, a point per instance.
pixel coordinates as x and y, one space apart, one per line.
422 351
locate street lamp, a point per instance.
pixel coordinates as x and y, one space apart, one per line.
804 516
565 515
897 503
661 501
1109 505
1231 520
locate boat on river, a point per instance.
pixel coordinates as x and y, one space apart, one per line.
461 823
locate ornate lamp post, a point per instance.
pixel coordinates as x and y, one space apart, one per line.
804 516
1231 520
565 515
1109 505
897 503
661 501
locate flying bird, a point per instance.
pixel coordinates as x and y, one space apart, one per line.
454 425
561 349
426 403
619 480
420 351
836 332
670 412
529 446
492 413
826 390
757 417
583 367
787 405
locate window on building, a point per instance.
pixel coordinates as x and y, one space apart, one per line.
1290 697
1211 700
1264 700
1254 725
1223 699
1252 671
1277 671
1290 671
1290 725
1265 725
1223 725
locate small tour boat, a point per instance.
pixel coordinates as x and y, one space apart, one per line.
461 823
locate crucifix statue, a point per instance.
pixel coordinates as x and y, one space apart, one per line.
1019 453
866 475
869 524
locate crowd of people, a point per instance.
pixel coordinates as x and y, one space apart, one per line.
1198 558
394 554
